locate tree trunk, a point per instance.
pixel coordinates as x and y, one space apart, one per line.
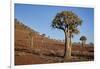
82 43
32 42
67 54
65 44
70 45
70 40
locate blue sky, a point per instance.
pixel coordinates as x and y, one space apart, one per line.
39 18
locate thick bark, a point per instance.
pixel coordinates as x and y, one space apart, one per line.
70 40
67 54
65 44
31 39
32 42
70 44
82 43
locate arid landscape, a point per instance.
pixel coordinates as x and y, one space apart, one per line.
46 34
31 47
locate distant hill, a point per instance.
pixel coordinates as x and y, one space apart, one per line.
43 45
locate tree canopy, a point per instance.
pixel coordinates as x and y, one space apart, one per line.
83 38
66 19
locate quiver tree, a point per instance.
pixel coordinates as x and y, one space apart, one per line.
31 38
83 39
43 35
71 33
68 22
